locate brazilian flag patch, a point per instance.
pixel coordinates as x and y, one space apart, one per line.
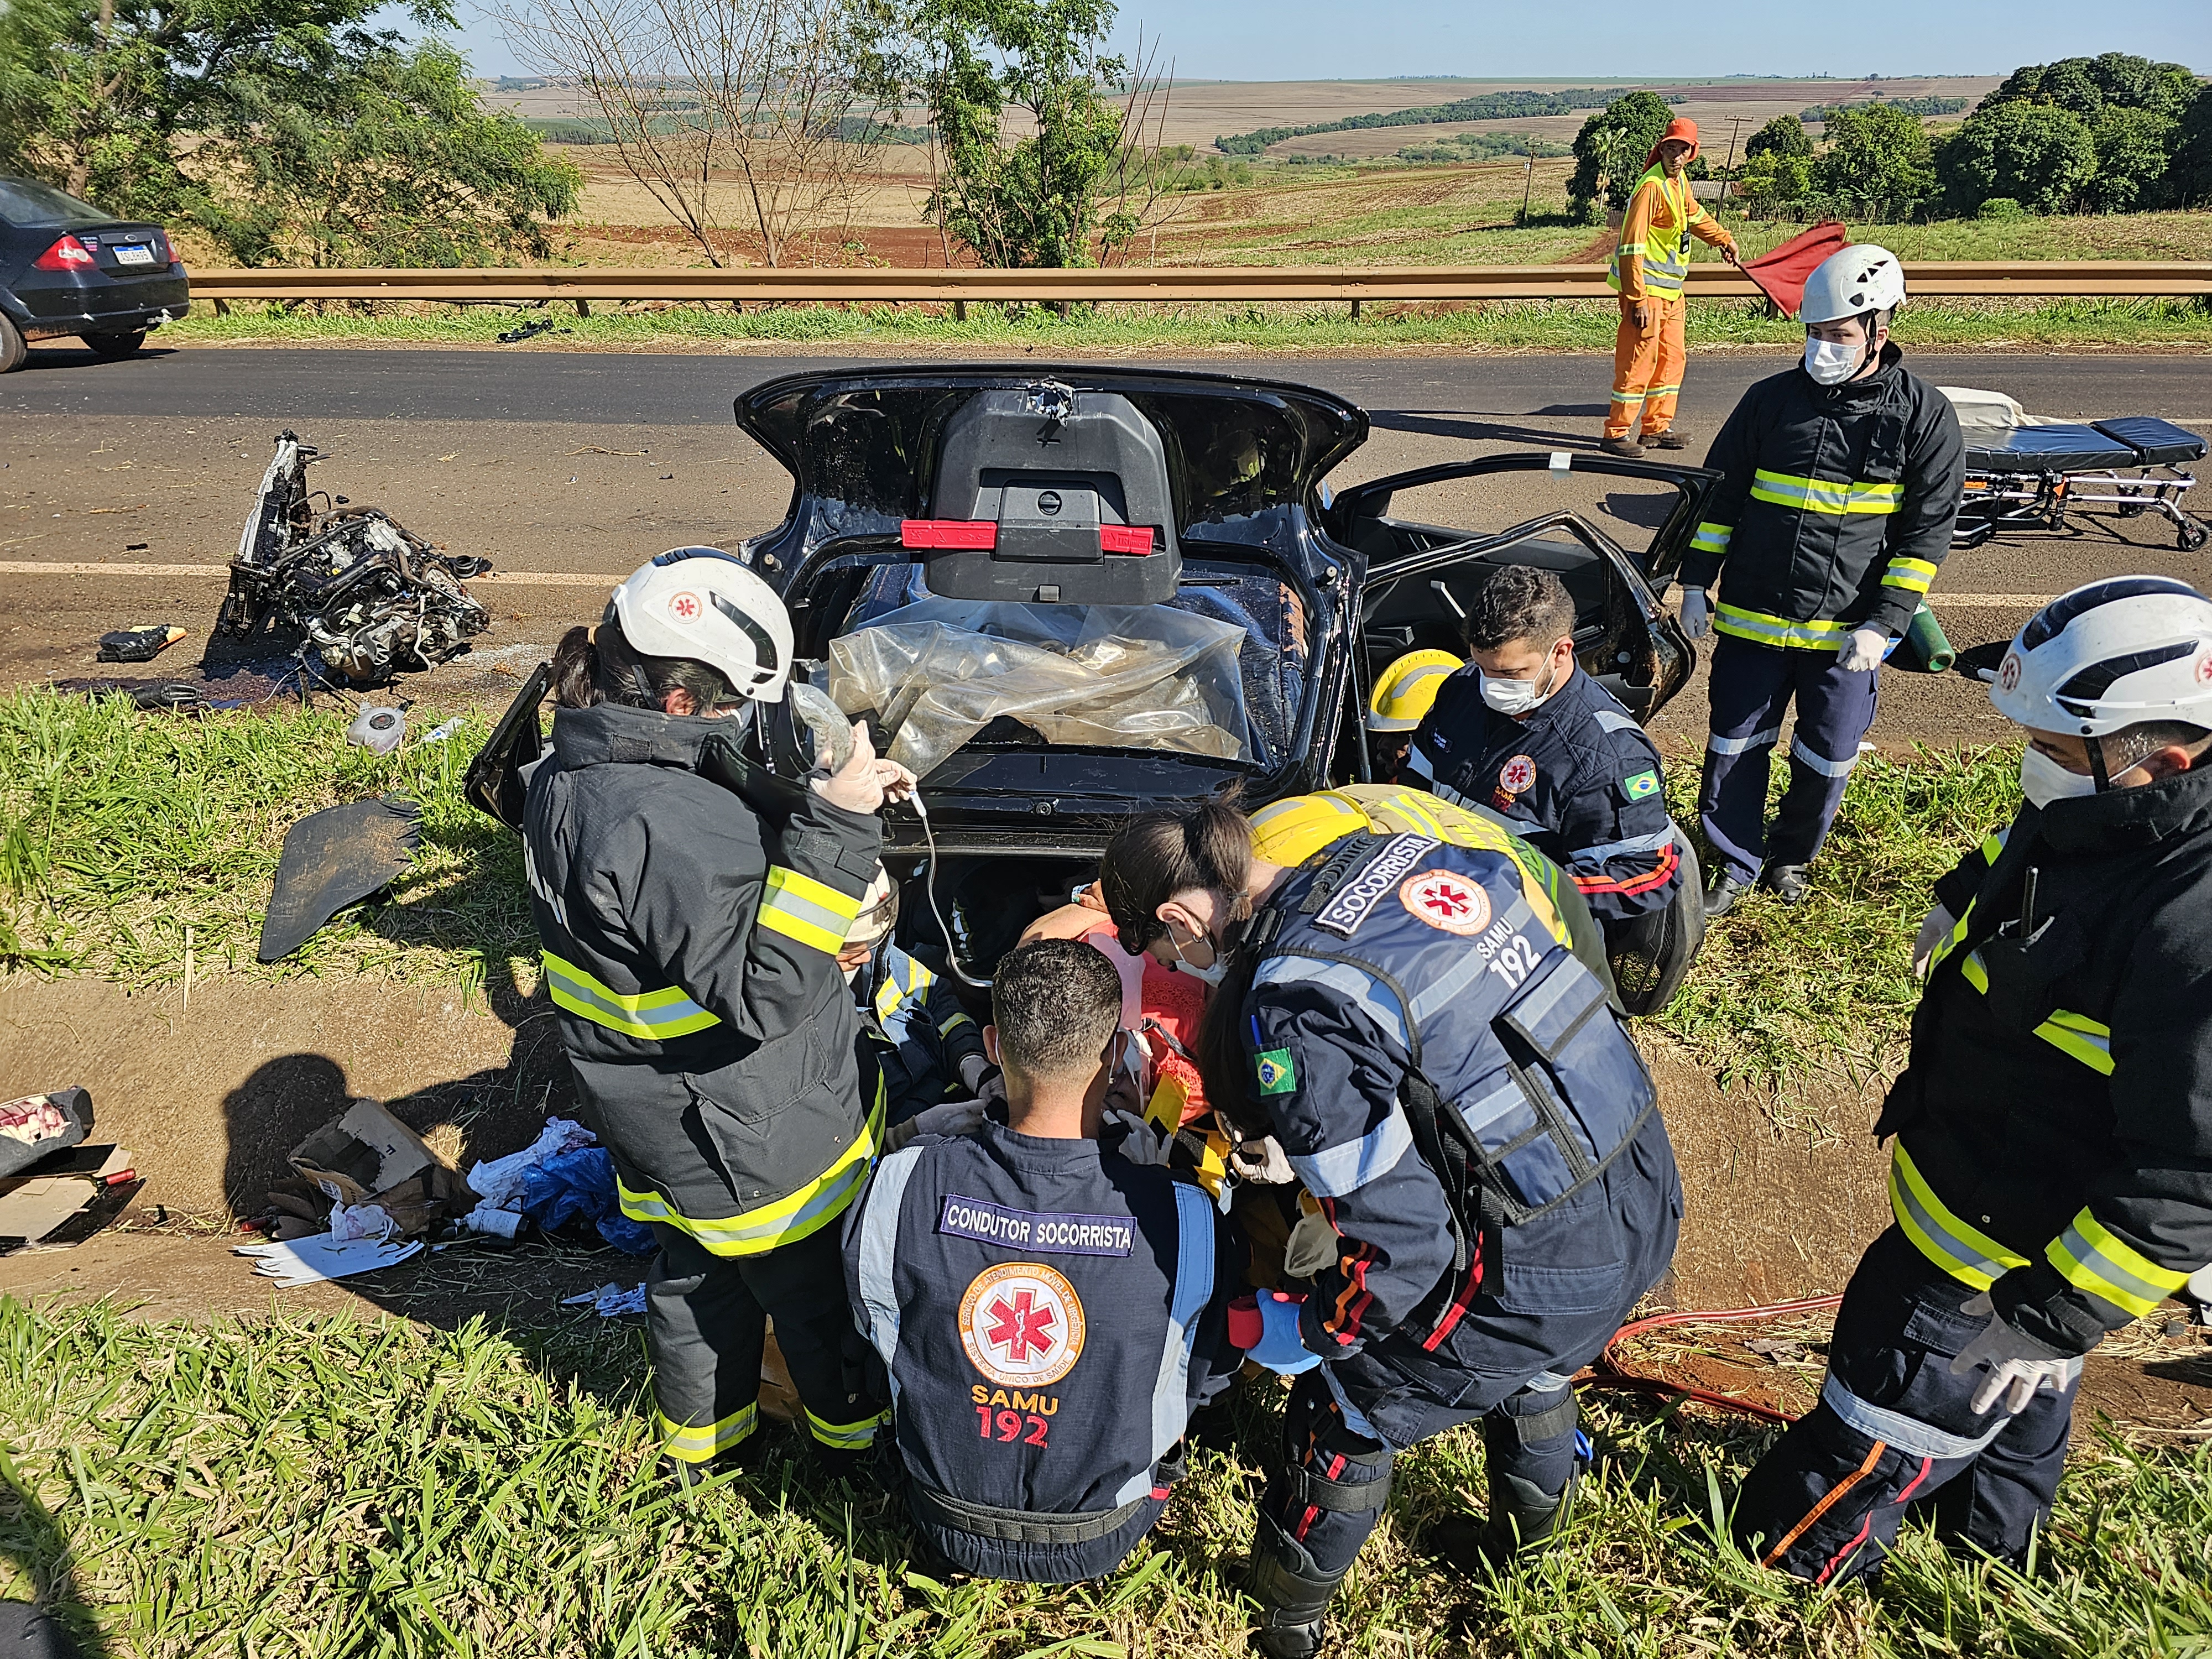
1278 1076
1641 787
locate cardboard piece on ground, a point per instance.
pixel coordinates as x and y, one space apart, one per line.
70 1196
362 1151
366 1156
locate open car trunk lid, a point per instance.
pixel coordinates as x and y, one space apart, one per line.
1247 638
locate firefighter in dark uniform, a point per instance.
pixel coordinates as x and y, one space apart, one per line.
913 1032
1405 1016
1049 1313
1841 480
1525 733
2053 1176
690 949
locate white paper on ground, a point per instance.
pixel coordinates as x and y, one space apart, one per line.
312 1260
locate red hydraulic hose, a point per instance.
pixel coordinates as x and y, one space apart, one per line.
1610 1374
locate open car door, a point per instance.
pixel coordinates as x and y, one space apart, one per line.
1422 577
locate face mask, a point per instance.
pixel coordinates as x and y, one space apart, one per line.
1211 975
2043 781
1829 364
1511 697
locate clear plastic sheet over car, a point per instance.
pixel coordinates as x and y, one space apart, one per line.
933 675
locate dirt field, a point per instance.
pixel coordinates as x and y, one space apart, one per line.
1201 111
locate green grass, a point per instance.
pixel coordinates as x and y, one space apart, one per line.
1500 325
1826 985
120 829
248 1488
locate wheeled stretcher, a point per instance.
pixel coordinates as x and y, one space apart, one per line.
2025 472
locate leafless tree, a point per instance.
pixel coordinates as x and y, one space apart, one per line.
729 112
1147 186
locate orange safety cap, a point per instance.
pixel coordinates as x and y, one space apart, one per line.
1680 127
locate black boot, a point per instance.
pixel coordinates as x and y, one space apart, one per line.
1520 1519
1721 897
1786 881
1293 1595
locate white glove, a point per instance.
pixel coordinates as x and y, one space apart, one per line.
1697 615
953 1117
310 1261
1862 653
1262 1161
2018 1365
1143 1143
1939 927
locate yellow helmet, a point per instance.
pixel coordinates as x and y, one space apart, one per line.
1407 689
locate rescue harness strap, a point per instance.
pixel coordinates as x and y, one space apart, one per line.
934 1508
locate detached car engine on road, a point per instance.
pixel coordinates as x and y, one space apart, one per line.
370 599
1068 596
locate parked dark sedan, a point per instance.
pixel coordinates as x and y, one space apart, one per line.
68 268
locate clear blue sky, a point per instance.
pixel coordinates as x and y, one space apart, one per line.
1604 39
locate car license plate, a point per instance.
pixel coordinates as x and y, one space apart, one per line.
138 254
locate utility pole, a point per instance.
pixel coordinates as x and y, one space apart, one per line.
1529 179
1736 124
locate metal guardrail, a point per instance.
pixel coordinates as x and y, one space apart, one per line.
862 284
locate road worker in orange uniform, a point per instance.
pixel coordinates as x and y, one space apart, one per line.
1647 269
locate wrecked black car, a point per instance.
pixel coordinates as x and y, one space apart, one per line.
367 597
1070 595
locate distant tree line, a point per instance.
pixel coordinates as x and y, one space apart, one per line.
1929 105
1480 147
1483 106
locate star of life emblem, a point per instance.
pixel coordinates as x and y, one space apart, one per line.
1022 1324
1446 900
683 608
1517 776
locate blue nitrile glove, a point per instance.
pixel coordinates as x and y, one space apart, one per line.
1278 1347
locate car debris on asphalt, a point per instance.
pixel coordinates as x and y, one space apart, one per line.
370 599
140 642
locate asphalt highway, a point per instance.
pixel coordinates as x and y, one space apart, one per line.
1475 397
123 485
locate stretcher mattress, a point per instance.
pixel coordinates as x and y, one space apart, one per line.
2160 443
2062 448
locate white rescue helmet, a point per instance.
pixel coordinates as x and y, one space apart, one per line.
2110 655
879 911
701 603
1853 282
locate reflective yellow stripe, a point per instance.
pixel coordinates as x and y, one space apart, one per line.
1912 574
806 910
2092 1259
846 1437
1976 974
1828 496
785 1221
2088 1041
696 1444
1660 250
1712 538
888 999
654 1016
1763 630
1968 1254
954 1025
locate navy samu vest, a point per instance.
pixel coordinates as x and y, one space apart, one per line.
1513 1053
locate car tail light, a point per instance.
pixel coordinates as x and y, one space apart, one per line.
978 533
1125 539
67 254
